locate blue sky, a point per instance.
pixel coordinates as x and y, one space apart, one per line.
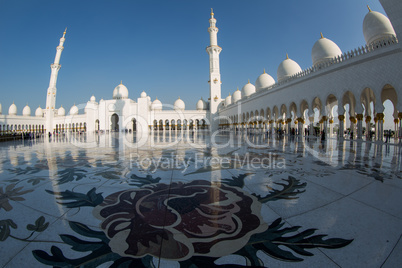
159 46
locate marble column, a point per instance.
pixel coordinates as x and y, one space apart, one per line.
359 118
312 130
325 125
289 122
400 127
341 126
380 123
300 122
368 127
331 128
352 127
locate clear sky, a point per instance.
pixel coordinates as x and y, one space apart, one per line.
159 46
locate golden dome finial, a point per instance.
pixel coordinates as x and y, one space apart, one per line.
237 89
369 8
287 56
264 71
212 12
249 81
64 33
322 37
121 82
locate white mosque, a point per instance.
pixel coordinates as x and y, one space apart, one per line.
357 82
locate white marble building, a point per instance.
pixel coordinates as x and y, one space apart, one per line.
358 81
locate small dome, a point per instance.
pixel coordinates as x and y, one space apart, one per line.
156 105
287 68
377 27
74 110
264 81
93 99
61 111
120 92
39 112
143 94
247 90
324 50
236 96
26 111
12 110
179 104
201 105
228 100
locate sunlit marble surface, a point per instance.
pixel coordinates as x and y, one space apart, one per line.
181 199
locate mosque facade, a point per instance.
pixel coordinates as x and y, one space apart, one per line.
357 82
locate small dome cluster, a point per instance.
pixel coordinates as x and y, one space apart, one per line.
74 110
201 105
156 105
61 111
120 92
324 50
264 81
12 110
376 27
179 104
39 112
26 111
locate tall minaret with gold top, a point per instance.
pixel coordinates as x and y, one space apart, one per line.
52 90
214 73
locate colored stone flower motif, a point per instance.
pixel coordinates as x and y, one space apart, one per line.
11 193
198 218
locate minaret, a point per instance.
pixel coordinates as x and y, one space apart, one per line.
214 73
52 90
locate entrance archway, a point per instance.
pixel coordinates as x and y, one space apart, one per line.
115 122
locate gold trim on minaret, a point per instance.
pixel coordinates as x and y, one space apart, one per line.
212 12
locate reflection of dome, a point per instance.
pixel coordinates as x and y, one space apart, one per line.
264 81
228 100
201 105
74 110
156 105
287 68
12 110
236 96
377 27
39 112
143 94
61 111
26 111
93 99
120 92
179 104
324 50
247 90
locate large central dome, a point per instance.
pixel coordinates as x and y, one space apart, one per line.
120 92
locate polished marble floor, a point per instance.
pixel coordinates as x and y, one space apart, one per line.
180 199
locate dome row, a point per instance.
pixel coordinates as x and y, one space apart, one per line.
376 27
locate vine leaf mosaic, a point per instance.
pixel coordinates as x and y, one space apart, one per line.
136 222
290 189
70 175
90 199
40 225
